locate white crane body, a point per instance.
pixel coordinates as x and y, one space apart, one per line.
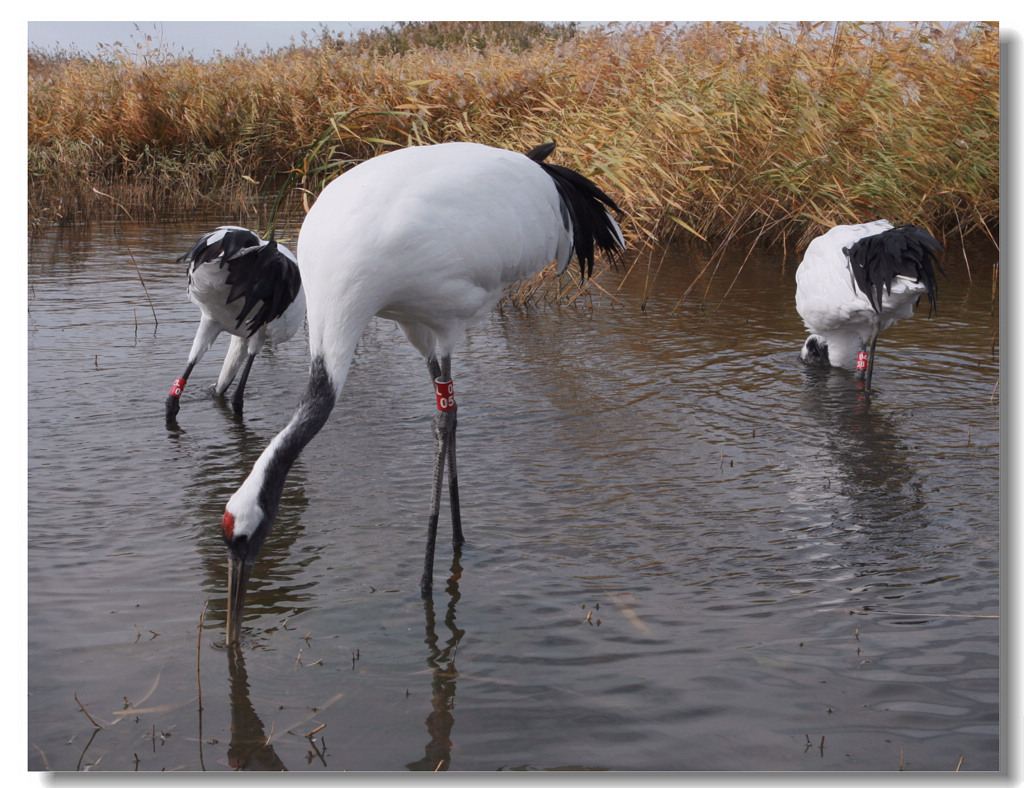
429 237
429 241
856 281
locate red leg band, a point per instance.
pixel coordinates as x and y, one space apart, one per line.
862 361
178 387
445 392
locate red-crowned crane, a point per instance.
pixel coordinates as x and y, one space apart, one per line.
245 286
855 281
429 237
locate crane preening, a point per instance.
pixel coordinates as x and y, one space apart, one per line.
857 280
249 288
429 237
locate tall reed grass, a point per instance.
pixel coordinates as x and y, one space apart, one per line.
710 131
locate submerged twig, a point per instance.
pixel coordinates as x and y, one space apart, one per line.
81 757
87 714
918 614
199 640
46 762
139 273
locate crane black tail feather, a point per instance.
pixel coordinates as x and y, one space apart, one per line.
266 277
258 272
228 242
909 251
586 207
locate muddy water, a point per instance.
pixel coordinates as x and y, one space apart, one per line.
685 550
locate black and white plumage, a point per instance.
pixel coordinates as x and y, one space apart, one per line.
429 237
249 288
856 281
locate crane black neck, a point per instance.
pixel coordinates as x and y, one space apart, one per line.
315 406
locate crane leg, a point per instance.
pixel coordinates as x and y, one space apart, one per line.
233 360
444 436
441 449
871 362
236 400
173 403
453 474
208 331
453 492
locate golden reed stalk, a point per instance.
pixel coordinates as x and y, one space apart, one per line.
710 131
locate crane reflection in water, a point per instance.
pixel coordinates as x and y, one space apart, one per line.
251 747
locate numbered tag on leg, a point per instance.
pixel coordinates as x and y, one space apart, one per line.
445 391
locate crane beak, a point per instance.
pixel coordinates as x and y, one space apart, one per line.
238 580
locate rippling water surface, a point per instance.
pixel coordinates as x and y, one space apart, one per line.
686 551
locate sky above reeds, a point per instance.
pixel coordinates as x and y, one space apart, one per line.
202 39
205 38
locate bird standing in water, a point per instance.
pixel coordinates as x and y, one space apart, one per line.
856 281
249 288
429 237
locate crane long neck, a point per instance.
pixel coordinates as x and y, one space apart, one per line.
314 407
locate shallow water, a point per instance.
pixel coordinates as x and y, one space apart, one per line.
686 551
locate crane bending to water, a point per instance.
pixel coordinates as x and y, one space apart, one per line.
429 237
857 280
249 288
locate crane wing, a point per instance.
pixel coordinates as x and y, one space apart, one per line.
263 276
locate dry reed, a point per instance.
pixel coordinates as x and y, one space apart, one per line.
710 131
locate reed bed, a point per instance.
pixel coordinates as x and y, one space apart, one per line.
714 132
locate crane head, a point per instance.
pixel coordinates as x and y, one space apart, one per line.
244 530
